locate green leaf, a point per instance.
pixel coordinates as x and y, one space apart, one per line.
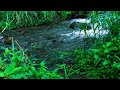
106 51
6 51
42 64
1 61
105 62
109 44
30 72
17 68
104 46
13 47
18 76
95 50
116 65
96 56
34 71
113 48
10 69
97 59
35 59
117 57
61 66
2 74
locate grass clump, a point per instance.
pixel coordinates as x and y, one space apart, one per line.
29 18
102 60
109 20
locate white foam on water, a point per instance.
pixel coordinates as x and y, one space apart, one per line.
1 37
88 34
79 20
96 31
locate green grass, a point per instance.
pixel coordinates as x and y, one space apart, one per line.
17 19
101 61
15 64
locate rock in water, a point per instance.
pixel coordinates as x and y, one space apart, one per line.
82 26
73 25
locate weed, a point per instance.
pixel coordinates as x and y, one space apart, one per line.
28 18
100 61
15 64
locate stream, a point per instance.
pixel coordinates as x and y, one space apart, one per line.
45 41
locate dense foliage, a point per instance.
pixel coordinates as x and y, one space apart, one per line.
16 19
100 61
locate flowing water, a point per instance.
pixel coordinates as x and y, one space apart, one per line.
45 41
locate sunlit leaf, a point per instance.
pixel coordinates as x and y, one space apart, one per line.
96 56
117 57
2 74
105 62
42 64
109 44
10 69
113 48
6 51
95 50
116 65
106 51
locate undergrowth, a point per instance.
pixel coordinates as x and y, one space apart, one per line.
100 61
29 18
15 64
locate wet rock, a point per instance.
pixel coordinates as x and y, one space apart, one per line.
83 26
